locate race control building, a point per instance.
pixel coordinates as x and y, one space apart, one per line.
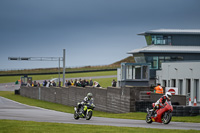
170 45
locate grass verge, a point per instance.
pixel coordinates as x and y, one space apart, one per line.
68 109
13 126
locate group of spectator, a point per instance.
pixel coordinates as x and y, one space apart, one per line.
49 83
76 82
81 83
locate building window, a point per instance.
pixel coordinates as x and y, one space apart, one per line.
168 83
144 72
161 39
137 72
164 83
161 60
173 83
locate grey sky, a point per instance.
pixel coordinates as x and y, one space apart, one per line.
93 32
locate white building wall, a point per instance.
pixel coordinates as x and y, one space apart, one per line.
181 71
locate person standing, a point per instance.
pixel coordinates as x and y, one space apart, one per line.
158 89
114 83
91 82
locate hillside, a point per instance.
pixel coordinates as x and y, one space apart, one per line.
129 59
114 65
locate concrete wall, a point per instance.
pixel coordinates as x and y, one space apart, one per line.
115 100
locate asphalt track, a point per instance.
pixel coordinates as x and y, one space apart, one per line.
16 111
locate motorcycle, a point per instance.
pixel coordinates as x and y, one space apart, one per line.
79 109
162 115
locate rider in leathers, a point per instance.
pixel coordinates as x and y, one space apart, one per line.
160 103
86 100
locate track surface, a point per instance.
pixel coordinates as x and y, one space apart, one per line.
16 111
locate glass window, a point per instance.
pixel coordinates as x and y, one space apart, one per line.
145 72
153 61
173 83
164 83
137 72
160 39
167 58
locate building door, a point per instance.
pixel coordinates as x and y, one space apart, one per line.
188 87
180 87
196 89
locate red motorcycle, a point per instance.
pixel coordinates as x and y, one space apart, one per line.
162 115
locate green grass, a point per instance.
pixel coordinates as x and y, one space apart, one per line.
105 82
48 70
68 109
7 79
14 126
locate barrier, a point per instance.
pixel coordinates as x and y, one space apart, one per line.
111 99
190 104
195 101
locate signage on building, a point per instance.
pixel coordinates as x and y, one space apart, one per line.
172 90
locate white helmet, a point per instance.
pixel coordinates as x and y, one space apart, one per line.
168 95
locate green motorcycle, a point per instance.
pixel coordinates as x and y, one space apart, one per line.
78 111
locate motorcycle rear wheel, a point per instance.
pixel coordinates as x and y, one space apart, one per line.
167 119
89 115
148 119
76 116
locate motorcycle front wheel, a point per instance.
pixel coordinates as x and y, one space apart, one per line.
148 119
89 115
167 118
76 116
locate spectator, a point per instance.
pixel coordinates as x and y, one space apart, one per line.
28 84
72 82
91 82
114 83
69 83
44 83
38 84
53 83
85 83
48 84
96 84
35 84
59 84
66 83
75 82
78 83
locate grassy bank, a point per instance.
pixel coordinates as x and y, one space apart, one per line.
7 79
68 109
13 126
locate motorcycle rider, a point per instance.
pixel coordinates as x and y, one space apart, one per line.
160 103
86 100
